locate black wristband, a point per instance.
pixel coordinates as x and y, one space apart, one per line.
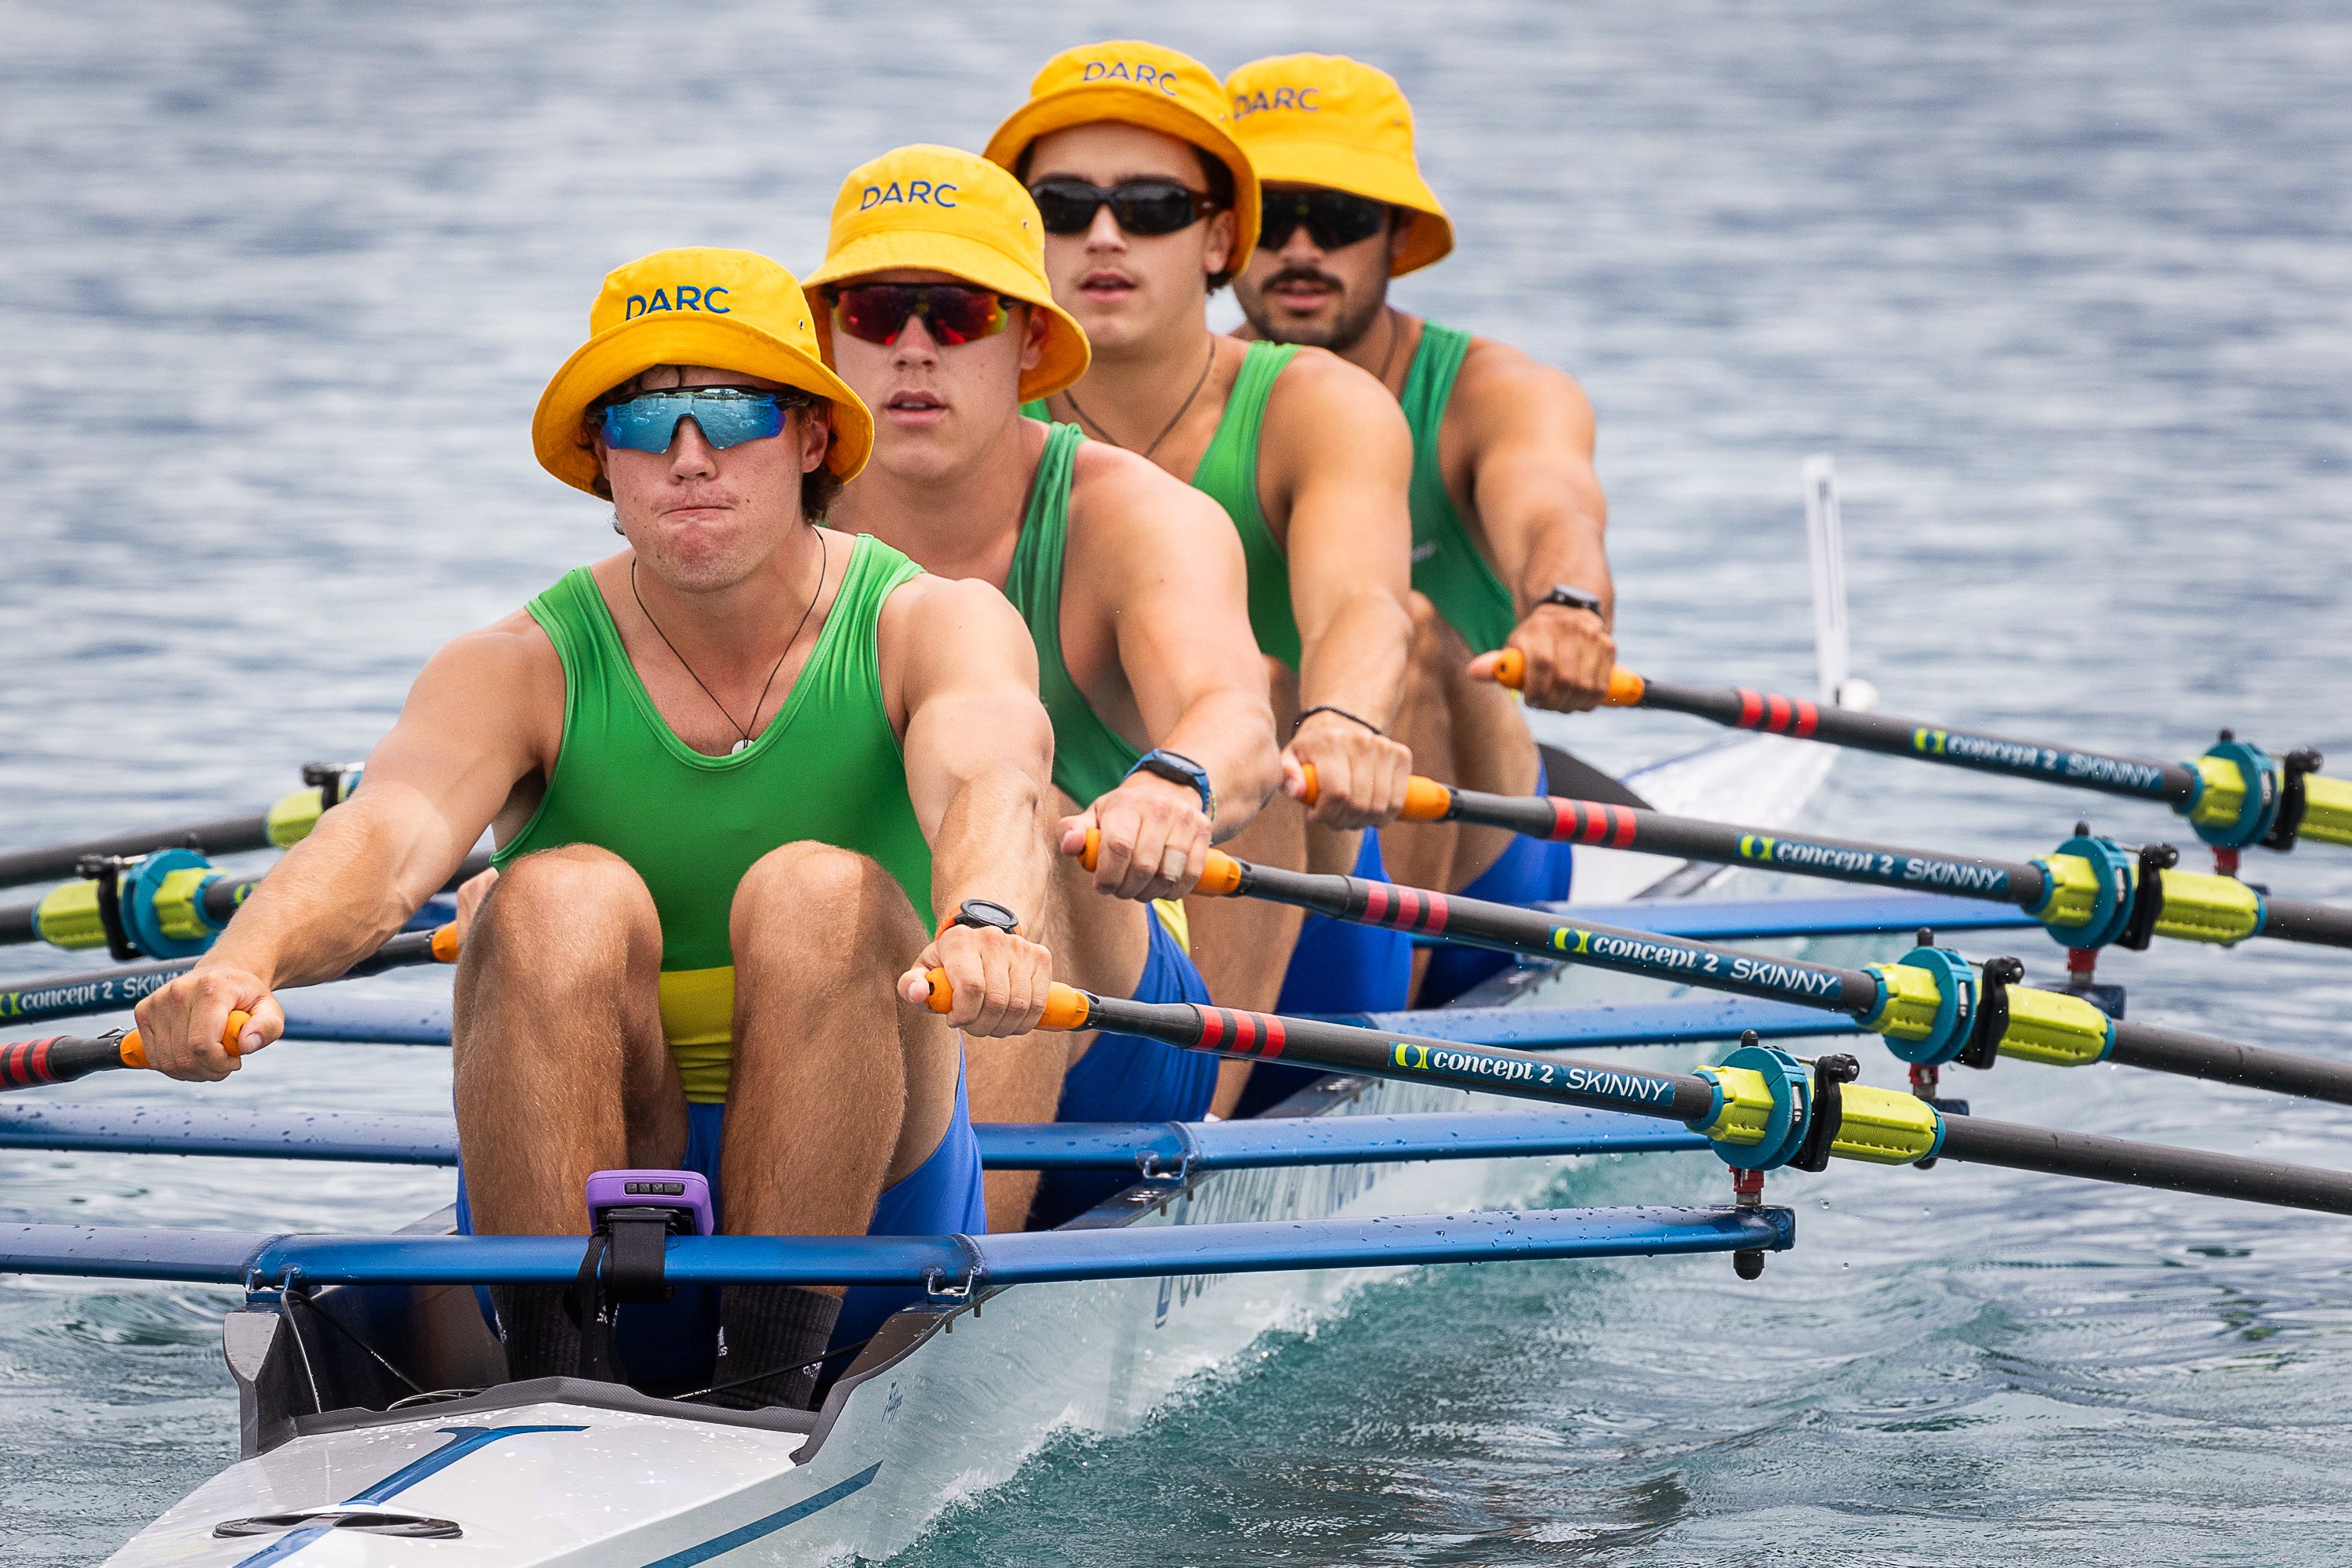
1573 598
1342 713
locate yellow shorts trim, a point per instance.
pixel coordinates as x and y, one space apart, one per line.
698 1014
1174 920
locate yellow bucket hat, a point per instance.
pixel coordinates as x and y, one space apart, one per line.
1136 84
730 310
1326 120
935 207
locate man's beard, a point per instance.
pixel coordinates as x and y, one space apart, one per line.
1346 331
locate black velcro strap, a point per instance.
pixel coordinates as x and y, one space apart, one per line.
634 1265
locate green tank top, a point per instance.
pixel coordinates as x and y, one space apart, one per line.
1446 566
1227 473
1090 756
827 768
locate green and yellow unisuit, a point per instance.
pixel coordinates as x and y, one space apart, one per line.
827 769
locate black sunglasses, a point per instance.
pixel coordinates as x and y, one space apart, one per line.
1143 208
1333 219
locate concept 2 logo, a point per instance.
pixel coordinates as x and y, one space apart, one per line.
1878 865
919 192
2049 760
1572 1080
688 298
1640 955
1142 75
1301 98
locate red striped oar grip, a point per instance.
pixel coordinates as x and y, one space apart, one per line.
1065 1006
1425 800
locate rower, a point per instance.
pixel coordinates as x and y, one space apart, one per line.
1507 515
748 777
1149 205
932 303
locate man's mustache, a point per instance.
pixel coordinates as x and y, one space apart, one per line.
1290 275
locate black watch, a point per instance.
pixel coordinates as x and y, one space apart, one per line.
985 915
1573 598
1177 768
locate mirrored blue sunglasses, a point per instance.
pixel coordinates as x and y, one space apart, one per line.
726 415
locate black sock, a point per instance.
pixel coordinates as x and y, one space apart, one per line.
541 1339
770 1337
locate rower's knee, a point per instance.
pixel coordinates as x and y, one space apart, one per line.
578 902
816 899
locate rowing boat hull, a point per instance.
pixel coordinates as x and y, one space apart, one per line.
946 1402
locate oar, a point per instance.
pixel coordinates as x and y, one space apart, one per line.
168 904
2234 796
1930 1006
286 823
108 990
1761 1108
2089 891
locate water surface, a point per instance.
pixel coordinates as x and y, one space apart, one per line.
2064 289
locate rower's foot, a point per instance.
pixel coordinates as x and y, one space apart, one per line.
770 1340
542 1339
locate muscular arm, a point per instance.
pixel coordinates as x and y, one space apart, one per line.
1528 433
958 663
1343 456
1162 562
471 729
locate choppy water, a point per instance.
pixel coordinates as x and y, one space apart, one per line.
2064 288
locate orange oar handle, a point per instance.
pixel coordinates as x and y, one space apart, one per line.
1065 1006
445 943
1425 800
1223 874
1626 688
134 1052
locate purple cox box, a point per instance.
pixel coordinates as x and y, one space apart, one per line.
684 1190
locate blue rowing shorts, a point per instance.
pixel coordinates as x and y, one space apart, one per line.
1528 871
1126 1077
673 1344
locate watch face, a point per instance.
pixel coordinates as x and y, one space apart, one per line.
984 912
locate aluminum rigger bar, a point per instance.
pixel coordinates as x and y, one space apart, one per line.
1931 1006
2089 892
951 1265
1157 1149
2235 795
1762 1109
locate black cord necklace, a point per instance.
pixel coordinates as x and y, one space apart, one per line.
825 566
1183 409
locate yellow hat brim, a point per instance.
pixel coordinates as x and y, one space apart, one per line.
629 350
1067 353
1093 102
1306 160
